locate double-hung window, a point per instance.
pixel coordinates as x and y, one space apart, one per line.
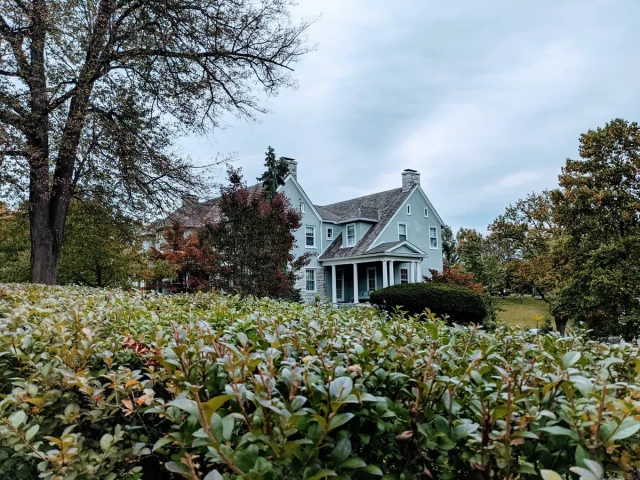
310 237
351 235
310 280
371 279
404 275
433 237
402 232
329 233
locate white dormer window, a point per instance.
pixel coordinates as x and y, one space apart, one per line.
402 232
426 212
301 207
329 233
408 209
351 235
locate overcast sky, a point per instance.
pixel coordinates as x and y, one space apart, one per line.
486 99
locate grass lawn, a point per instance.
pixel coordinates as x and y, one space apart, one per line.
521 311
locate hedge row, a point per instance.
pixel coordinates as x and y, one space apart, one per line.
459 304
108 385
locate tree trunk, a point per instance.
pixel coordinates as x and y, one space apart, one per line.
44 258
561 323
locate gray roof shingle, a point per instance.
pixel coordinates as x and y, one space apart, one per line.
197 214
386 204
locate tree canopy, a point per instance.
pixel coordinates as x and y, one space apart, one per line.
253 242
598 208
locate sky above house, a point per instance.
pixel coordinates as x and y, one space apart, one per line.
485 98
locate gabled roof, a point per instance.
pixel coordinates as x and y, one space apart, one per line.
390 247
335 250
194 214
370 208
386 203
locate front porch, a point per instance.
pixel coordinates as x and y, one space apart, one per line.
350 282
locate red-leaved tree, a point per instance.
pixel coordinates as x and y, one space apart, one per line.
253 241
192 262
455 275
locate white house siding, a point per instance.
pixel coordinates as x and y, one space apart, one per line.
417 231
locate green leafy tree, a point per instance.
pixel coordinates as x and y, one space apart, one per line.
484 257
93 95
14 244
102 247
598 209
530 229
449 244
274 175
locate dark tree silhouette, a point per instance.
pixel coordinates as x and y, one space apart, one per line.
92 93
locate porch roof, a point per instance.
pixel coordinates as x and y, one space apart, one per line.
379 252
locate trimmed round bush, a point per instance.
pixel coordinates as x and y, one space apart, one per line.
460 304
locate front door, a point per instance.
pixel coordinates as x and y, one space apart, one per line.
339 285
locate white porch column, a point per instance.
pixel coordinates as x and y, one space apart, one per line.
385 274
355 283
392 277
411 272
419 267
334 287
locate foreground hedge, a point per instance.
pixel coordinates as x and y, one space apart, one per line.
459 304
107 385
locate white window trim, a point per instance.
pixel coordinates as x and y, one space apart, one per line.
408 209
340 297
406 232
314 236
301 207
330 229
426 212
375 279
400 274
315 280
355 235
436 237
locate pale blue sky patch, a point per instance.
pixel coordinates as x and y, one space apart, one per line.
485 98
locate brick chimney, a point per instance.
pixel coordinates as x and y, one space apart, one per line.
293 166
410 178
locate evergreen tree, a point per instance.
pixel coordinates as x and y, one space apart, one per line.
274 175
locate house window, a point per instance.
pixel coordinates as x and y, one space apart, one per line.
426 212
371 279
402 232
408 209
330 233
339 284
433 237
301 207
310 277
310 237
351 235
404 275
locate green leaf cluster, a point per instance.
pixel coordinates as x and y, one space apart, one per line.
108 385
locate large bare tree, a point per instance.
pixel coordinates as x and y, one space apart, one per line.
93 93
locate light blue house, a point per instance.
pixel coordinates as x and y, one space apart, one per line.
365 243
359 245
